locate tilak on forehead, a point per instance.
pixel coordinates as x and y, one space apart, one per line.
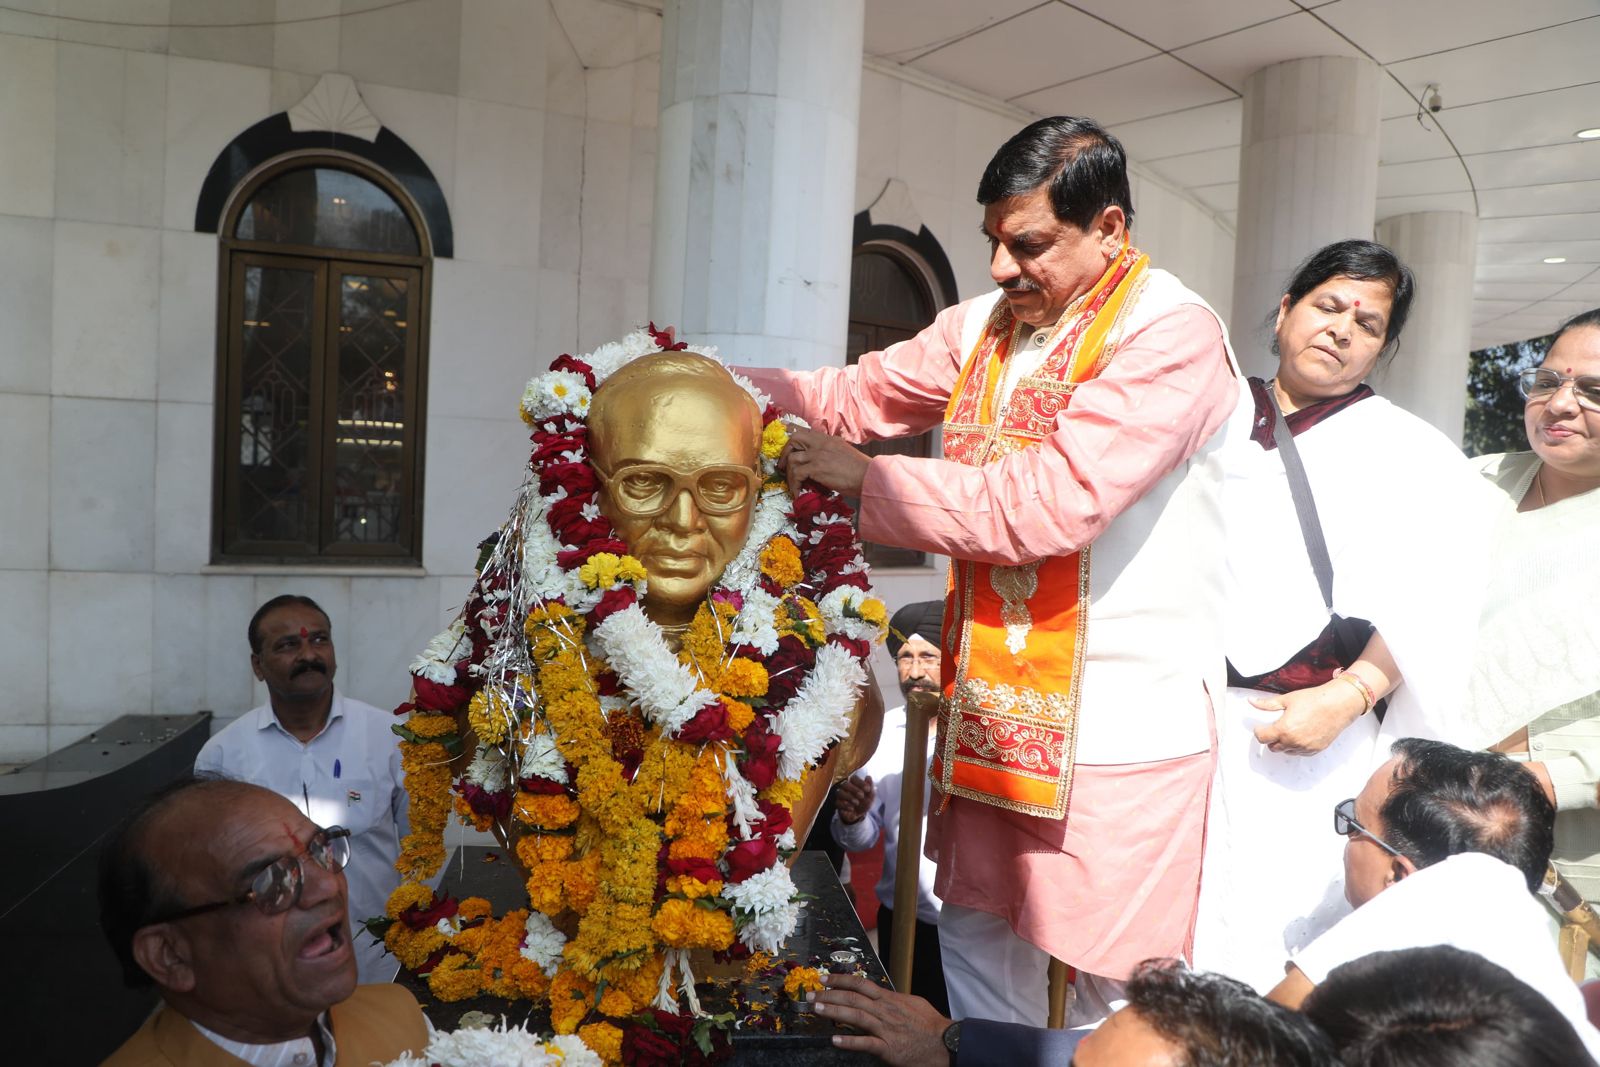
304 633
1358 303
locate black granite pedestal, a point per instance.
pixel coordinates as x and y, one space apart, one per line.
829 934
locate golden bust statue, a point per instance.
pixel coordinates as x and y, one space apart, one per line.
676 445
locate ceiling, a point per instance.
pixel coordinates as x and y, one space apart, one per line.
1518 78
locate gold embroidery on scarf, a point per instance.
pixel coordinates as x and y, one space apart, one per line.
1015 585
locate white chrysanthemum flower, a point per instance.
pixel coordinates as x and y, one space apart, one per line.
556 392
437 662
543 943
819 713
786 840
769 890
768 931
498 1046
574 1053
741 798
753 625
489 769
541 759
448 927
663 688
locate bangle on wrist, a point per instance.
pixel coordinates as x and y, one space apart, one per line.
1368 698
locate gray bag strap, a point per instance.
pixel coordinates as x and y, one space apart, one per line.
1305 506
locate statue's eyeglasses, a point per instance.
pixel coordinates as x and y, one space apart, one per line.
1540 383
645 490
276 887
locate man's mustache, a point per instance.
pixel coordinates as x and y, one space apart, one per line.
308 665
1019 285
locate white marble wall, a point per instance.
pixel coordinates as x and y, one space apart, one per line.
537 117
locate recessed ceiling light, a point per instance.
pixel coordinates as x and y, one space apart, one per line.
1555 259
1588 135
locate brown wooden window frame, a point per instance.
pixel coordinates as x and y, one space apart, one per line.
329 266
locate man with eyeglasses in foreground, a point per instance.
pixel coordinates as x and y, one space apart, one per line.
232 903
1446 846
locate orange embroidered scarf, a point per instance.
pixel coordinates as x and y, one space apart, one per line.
1015 636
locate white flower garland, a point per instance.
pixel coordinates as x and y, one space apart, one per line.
499 1046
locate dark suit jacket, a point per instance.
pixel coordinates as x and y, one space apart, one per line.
377 1023
986 1043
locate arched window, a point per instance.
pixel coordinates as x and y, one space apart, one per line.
890 300
322 358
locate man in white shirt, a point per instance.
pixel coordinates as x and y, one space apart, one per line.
869 801
332 757
1446 847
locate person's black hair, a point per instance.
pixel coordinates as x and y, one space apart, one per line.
1447 800
132 892
1085 166
273 605
1366 261
1584 319
1220 1022
1440 1007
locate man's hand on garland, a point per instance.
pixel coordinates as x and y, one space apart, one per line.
827 460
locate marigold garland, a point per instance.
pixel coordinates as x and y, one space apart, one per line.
640 788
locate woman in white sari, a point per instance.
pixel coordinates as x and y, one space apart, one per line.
1298 727
1537 667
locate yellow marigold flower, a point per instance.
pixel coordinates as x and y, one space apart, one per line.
744 678
529 979
547 887
570 997
683 924
471 818
693 888
872 610
583 882
780 561
489 716
600 570
551 630
740 715
801 980
454 978
757 963
427 725
474 908
471 940
546 811
407 895
774 436
412 947
604 1039
785 791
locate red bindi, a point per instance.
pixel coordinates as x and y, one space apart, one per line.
1358 303
304 633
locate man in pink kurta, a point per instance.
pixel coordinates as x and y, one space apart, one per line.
1127 468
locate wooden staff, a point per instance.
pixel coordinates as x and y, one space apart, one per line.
921 706
1060 980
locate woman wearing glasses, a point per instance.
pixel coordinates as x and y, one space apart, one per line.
1384 496
1537 669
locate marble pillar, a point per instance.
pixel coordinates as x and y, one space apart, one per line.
1308 175
1428 375
755 177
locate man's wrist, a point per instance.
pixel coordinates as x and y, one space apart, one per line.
952 1040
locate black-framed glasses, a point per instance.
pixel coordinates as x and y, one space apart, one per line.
1345 825
645 490
276 887
1540 383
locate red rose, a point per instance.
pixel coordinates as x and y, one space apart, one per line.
441 698
550 446
442 908
786 669
480 800
576 366
577 557
695 867
578 479
643 1047
710 723
613 601
857 648
541 785
750 857
760 761
806 507
665 339
775 819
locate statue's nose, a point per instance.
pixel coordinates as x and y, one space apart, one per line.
683 513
